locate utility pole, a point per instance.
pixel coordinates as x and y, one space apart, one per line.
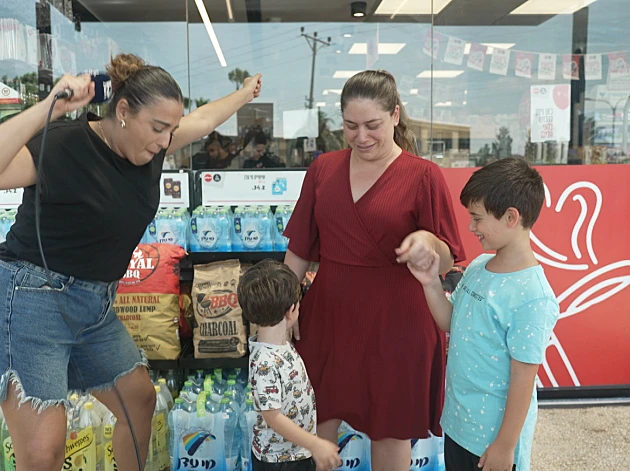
314 43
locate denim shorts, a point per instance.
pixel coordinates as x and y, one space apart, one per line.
59 338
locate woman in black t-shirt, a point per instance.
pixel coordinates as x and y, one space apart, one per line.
99 191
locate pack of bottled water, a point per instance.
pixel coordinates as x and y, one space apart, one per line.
7 218
281 219
210 229
252 229
170 226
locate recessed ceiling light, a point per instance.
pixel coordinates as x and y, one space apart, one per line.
320 104
443 103
555 7
345 74
406 7
440 73
413 91
338 51
347 35
358 9
383 48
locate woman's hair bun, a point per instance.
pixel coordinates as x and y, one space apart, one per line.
123 67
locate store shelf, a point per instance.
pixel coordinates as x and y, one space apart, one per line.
251 257
187 361
164 364
191 363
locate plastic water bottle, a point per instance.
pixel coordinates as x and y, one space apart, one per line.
354 449
236 394
160 416
178 423
230 417
109 422
171 382
423 454
265 224
213 400
8 456
282 216
219 383
439 445
246 423
241 378
90 419
188 392
165 393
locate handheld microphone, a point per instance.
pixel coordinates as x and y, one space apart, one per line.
102 88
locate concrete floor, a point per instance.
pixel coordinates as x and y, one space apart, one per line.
593 439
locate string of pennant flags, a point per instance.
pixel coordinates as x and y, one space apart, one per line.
454 53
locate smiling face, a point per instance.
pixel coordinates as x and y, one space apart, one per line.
493 233
368 129
148 131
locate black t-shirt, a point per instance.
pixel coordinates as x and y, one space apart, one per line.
95 205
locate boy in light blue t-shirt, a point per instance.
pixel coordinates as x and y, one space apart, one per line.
500 320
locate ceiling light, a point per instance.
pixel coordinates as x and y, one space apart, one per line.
330 90
228 5
443 103
410 7
545 7
338 51
413 91
440 73
213 37
358 9
347 35
320 104
465 103
345 74
383 48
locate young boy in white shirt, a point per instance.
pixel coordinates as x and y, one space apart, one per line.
285 437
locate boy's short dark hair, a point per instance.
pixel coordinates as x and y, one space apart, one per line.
267 291
506 183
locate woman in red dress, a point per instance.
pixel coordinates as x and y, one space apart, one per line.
371 348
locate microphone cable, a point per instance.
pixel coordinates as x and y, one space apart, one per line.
38 195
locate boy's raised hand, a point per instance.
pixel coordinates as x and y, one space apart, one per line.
426 274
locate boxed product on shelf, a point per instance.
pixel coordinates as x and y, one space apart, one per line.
252 229
148 301
210 229
220 331
170 226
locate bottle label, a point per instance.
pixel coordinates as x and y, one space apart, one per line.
9 455
81 451
110 461
201 404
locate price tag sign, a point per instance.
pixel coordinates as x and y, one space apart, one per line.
11 198
253 187
175 190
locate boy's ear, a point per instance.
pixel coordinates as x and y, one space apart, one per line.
512 217
291 312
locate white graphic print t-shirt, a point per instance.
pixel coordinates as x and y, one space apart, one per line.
279 382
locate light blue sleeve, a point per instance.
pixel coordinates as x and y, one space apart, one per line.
471 270
529 329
